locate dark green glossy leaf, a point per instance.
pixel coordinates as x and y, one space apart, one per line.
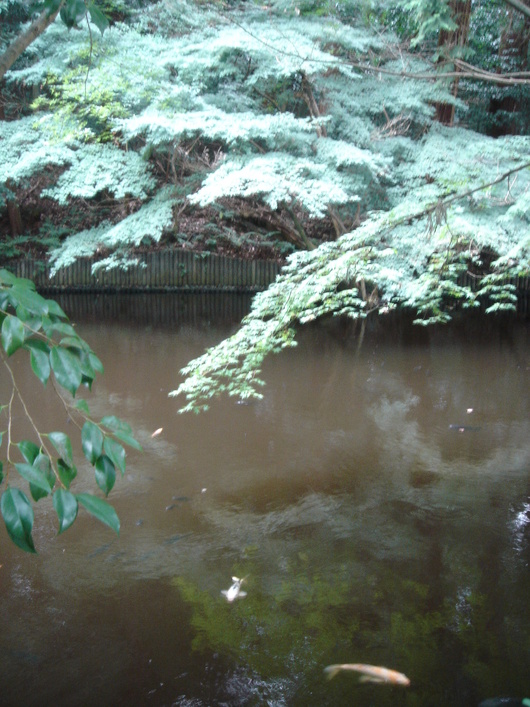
128 439
53 326
65 504
105 474
68 15
7 278
66 473
62 444
39 353
32 322
29 450
91 441
55 310
73 342
98 18
66 369
12 334
35 477
114 423
115 452
100 509
65 17
18 517
24 296
87 382
43 464
83 406
1 472
95 362
84 362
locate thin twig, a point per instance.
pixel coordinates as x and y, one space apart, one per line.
28 416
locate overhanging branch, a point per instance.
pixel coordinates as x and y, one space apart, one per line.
467 71
450 198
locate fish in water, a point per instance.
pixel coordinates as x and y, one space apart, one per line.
370 673
464 428
235 590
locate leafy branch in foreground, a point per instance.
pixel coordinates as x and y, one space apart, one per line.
406 258
39 326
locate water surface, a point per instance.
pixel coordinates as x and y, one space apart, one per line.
377 499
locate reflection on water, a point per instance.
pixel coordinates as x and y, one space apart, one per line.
371 530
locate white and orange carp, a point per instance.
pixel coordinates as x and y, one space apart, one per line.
370 673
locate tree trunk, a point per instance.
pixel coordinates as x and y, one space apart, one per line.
15 219
513 106
13 213
461 14
22 42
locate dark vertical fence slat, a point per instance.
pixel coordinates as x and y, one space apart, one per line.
162 270
181 270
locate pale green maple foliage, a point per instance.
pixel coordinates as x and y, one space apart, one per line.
412 256
300 112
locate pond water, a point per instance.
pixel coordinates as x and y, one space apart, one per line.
377 501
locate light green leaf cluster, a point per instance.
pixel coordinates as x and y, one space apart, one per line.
431 16
407 257
214 124
345 154
27 147
278 178
98 168
241 82
293 47
149 222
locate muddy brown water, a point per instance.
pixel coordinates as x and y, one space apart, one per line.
377 500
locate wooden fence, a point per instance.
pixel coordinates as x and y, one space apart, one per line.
161 271
221 310
180 271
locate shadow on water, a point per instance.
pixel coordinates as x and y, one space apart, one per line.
377 500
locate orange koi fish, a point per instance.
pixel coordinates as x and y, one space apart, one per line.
371 673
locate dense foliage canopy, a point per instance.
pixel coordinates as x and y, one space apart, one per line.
384 145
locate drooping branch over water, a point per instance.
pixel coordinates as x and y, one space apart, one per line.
368 270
